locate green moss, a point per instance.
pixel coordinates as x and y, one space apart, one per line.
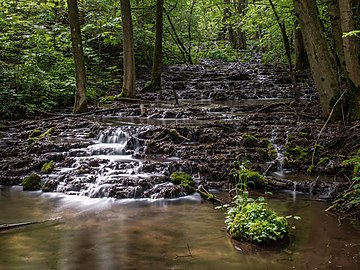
297 152
304 134
323 161
31 182
262 152
249 140
47 167
35 133
355 162
49 132
252 177
107 99
311 169
271 151
183 179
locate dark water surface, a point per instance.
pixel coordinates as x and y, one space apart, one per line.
115 234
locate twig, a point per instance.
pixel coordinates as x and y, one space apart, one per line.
323 127
185 256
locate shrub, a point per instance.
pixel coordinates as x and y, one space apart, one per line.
256 223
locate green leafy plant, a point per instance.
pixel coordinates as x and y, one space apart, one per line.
248 219
256 223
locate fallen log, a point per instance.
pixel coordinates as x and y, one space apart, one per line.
4 227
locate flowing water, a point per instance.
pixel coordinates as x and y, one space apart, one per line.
182 233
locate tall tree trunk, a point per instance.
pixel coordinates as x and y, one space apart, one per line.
301 60
334 12
129 87
77 49
319 55
155 83
351 47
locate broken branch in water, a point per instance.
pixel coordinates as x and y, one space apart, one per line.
184 256
4 227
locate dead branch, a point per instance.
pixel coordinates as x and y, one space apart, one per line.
4 227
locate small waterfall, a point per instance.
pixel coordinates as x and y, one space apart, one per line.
113 136
114 142
294 191
279 154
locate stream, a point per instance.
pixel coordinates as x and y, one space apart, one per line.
162 234
110 186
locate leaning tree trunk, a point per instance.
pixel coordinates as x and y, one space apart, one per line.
319 55
129 87
351 45
77 49
155 83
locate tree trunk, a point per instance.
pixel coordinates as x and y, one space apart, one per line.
351 47
301 60
155 83
337 33
319 55
129 87
77 49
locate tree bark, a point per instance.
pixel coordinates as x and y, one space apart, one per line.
129 87
77 49
320 58
351 44
351 47
301 60
155 83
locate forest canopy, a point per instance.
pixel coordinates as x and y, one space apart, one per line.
37 65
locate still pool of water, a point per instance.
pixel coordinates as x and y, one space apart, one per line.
162 234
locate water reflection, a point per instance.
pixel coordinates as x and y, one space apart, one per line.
115 234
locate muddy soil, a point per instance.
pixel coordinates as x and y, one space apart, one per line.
227 112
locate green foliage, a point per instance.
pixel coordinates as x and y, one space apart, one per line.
249 140
296 152
183 179
31 182
256 223
355 33
48 166
249 219
244 176
355 162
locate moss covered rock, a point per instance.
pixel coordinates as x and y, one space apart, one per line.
48 166
31 182
183 179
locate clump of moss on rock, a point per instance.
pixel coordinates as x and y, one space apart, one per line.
183 179
48 166
31 182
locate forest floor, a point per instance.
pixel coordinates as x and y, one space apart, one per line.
226 112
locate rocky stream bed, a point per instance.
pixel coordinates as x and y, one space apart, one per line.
226 112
